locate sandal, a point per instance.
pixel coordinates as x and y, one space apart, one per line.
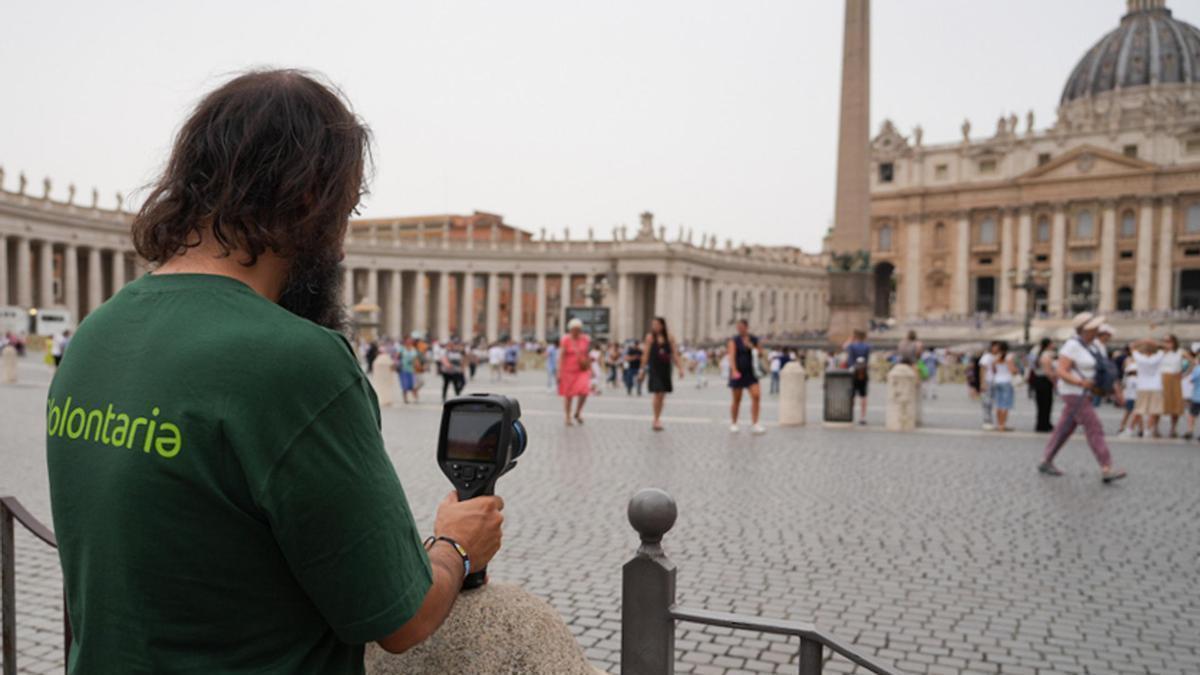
578 419
1110 475
657 427
1049 469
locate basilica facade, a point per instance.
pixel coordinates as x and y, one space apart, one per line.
1099 211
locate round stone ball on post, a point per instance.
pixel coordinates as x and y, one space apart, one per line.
904 392
652 513
792 391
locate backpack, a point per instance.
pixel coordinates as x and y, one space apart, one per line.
1104 383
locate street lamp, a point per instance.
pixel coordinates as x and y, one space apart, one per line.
596 291
1085 299
742 309
1030 285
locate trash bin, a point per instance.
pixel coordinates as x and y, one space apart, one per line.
839 396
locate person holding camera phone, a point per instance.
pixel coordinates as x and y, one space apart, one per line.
231 507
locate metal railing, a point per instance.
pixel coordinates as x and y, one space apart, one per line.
649 613
10 510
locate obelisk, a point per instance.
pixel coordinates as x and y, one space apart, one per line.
850 296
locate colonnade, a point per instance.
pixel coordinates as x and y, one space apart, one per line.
39 272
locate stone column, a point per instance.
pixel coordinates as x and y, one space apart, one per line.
1024 243
46 274
493 306
348 298
373 287
3 269
467 323
390 304
1058 260
420 294
1003 286
960 295
912 271
1108 256
24 273
396 305
443 306
118 271
71 280
677 301
516 302
95 283
622 329
539 323
1166 241
1145 257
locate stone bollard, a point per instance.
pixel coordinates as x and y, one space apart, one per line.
8 364
383 379
499 628
904 393
792 389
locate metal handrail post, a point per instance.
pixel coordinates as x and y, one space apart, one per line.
8 584
648 590
810 657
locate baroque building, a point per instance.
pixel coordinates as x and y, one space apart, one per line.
1099 211
468 275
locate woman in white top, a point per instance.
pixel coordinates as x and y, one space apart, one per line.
1004 368
1148 356
1076 370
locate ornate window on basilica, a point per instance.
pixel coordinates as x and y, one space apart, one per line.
1085 226
1128 225
1124 299
1043 229
987 167
887 172
987 231
1193 219
885 238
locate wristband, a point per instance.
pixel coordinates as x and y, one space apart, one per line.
462 552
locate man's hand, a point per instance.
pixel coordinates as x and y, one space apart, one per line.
475 524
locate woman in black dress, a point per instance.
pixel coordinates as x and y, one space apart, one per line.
742 350
660 352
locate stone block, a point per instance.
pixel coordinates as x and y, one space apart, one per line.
903 398
792 389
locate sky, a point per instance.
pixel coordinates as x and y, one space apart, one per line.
717 116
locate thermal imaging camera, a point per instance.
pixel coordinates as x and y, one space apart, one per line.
480 440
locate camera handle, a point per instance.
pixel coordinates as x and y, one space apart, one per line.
478 577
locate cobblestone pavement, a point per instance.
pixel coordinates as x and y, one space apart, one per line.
939 551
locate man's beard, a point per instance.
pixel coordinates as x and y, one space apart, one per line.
314 291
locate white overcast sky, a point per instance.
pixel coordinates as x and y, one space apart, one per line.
718 115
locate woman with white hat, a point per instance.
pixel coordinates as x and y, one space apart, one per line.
1077 367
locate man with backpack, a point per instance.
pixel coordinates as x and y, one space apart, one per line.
1083 371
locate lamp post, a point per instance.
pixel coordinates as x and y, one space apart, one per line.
1030 284
595 291
742 309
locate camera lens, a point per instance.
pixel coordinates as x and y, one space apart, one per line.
519 439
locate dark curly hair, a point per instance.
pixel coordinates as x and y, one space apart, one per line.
273 159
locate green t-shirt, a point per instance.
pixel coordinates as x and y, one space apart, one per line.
221 494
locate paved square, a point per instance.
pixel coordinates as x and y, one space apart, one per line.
940 551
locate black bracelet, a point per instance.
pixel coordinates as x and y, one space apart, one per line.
458 548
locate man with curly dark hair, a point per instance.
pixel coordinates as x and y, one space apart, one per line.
220 489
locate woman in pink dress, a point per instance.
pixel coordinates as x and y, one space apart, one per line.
574 369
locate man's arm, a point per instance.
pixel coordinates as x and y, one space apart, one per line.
447 581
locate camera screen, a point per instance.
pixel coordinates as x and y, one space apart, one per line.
473 435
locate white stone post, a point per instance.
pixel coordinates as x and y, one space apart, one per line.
71 280
540 320
514 325
24 273
903 397
1108 257
493 306
46 274
8 364
792 392
95 289
1145 257
1058 260
1166 242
